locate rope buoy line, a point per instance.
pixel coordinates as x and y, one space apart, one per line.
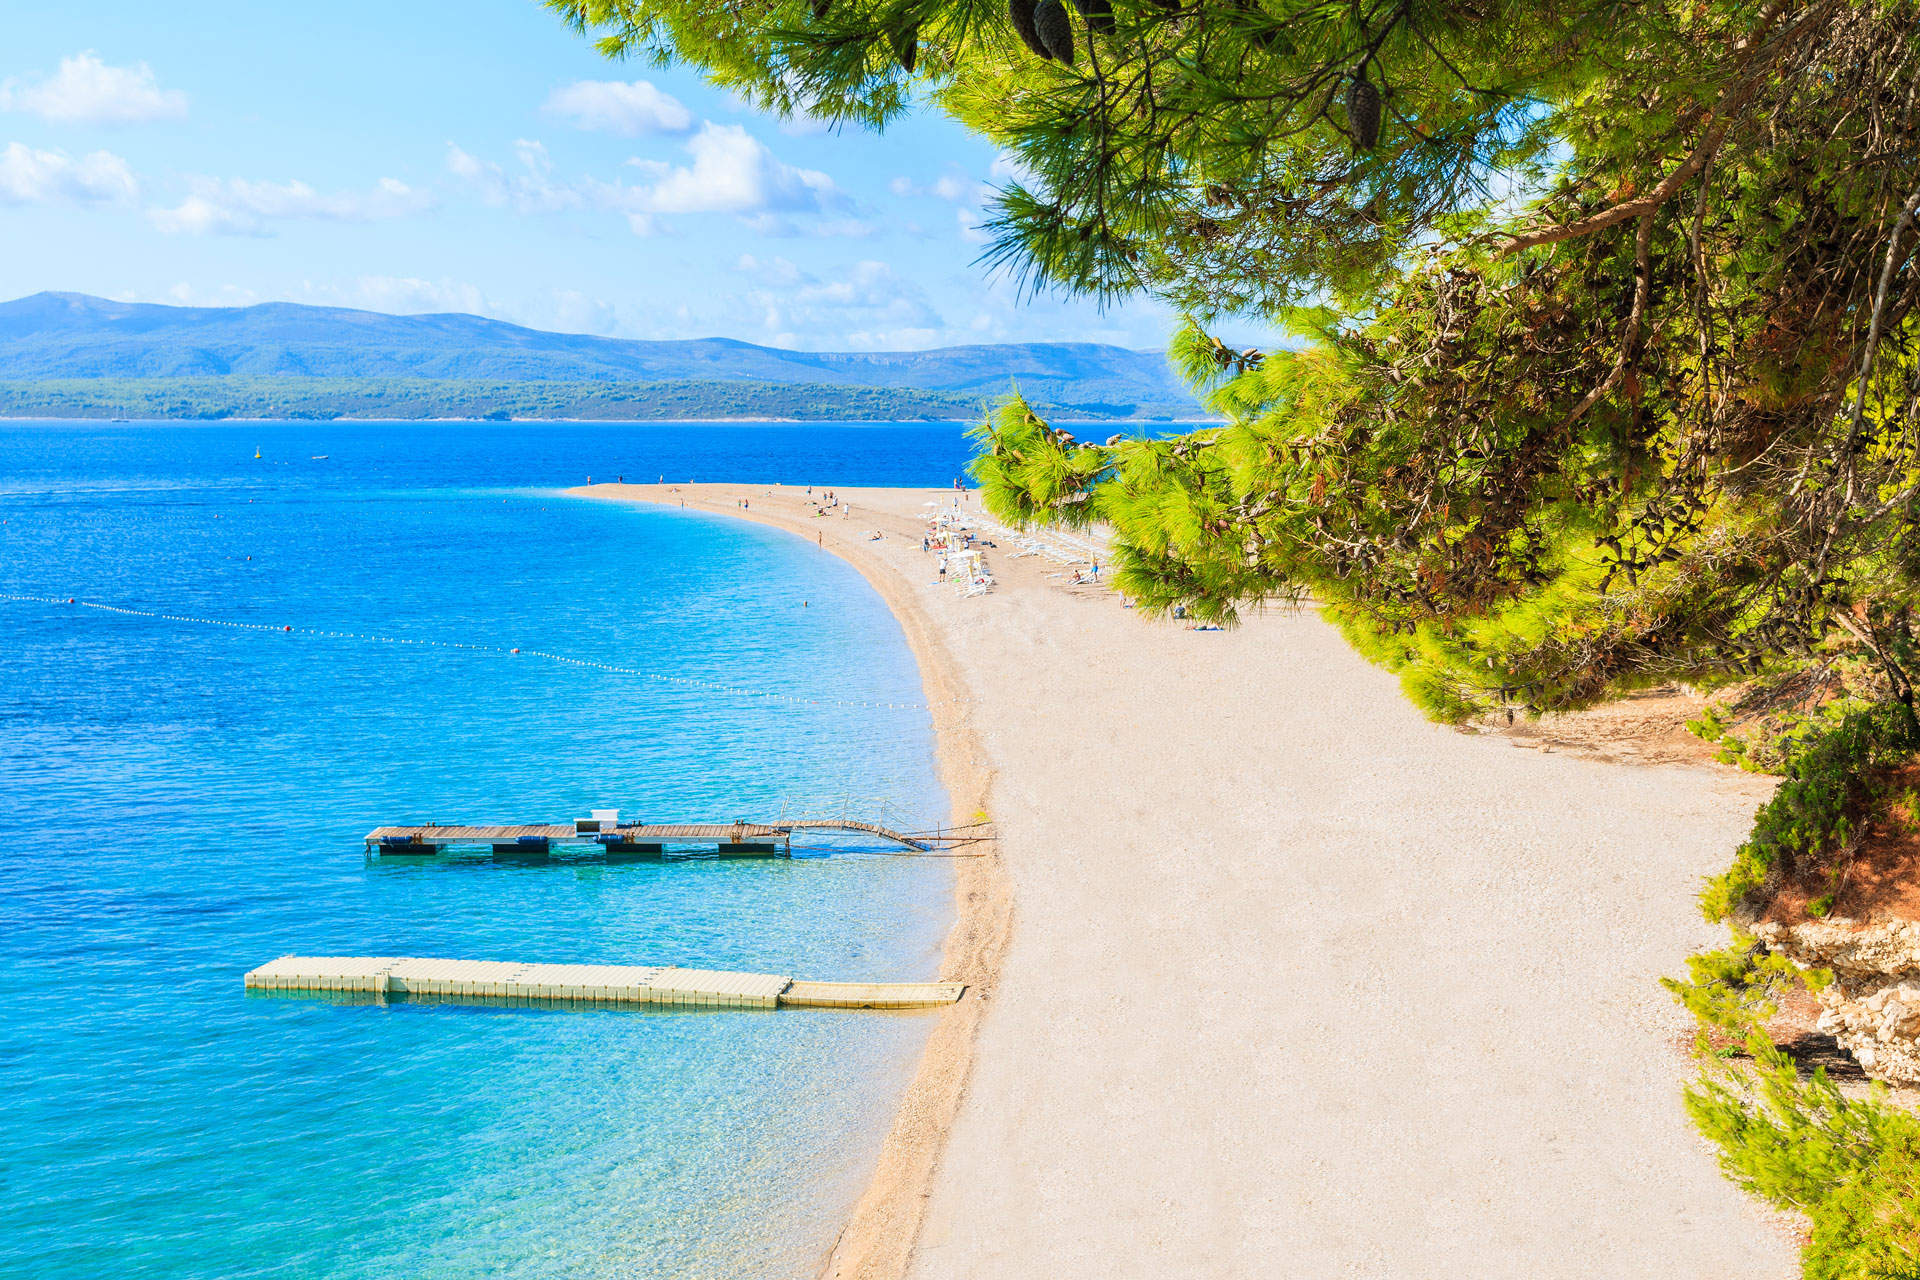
677 681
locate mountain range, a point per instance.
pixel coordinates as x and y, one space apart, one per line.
97 350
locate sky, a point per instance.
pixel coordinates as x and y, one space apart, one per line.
427 155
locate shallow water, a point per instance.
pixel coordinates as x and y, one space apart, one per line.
180 801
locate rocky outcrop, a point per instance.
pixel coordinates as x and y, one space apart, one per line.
1872 1007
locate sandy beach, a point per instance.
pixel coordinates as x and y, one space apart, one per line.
1269 975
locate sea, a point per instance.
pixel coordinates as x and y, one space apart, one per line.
229 650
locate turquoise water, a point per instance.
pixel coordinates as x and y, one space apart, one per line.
181 801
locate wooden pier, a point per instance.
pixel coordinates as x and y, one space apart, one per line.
495 982
728 839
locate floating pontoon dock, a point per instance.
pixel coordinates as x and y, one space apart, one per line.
495 982
763 839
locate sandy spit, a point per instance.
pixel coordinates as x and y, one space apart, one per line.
1302 985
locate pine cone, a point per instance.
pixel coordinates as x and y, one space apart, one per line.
1098 13
1363 111
1055 29
906 47
1020 13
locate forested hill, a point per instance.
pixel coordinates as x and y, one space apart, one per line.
68 336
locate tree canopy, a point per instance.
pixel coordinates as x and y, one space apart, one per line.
1607 371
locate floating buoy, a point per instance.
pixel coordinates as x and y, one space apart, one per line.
69 599
516 651
288 628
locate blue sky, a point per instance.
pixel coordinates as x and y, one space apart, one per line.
424 155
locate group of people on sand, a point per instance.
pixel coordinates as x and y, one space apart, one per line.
827 501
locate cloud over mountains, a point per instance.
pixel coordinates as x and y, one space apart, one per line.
32 176
238 206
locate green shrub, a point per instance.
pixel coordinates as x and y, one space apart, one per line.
1827 756
1732 989
1852 1166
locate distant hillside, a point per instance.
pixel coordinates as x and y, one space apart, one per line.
70 336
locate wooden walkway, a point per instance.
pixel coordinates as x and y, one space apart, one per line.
727 838
497 982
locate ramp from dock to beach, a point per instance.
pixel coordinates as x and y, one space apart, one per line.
498 982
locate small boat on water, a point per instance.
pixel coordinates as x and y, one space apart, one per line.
318 457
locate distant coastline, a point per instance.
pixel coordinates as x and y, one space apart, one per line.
284 398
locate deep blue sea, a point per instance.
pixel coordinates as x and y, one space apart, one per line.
181 801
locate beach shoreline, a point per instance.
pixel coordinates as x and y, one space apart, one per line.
1298 974
878 1239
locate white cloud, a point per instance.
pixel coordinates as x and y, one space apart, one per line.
534 191
628 108
733 172
30 176
237 206
87 91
